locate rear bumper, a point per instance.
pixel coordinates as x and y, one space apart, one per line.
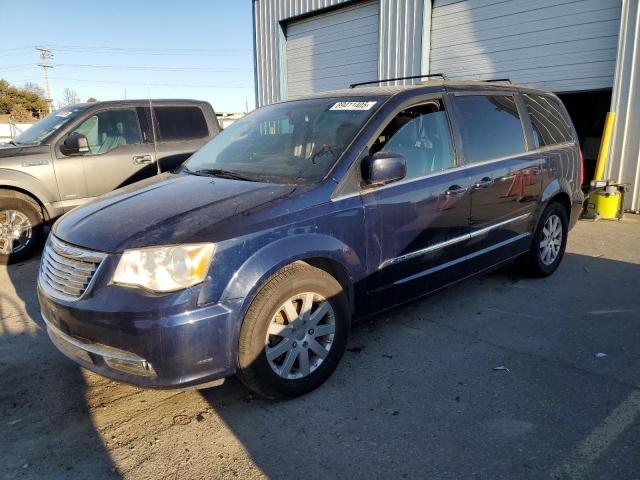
175 350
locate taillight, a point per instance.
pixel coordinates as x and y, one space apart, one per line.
581 166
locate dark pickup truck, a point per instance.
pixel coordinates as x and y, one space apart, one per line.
83 151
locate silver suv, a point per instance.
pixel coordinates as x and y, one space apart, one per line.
83 151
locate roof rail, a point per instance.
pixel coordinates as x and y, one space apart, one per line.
508 80
372 82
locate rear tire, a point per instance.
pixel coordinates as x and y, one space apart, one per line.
294 333
21 229
549 242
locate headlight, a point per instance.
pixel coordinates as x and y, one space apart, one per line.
164 269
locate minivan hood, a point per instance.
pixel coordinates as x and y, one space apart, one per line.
167 209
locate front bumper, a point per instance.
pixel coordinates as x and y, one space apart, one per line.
161 348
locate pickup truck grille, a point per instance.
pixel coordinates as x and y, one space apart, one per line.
66 271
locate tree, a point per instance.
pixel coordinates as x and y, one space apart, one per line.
11 96
69 97
34 88
92 99
20 114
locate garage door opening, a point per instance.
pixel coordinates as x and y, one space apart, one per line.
588 111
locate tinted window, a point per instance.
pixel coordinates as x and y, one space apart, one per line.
421 135
549 125
290 142
180 123
490 127
109 129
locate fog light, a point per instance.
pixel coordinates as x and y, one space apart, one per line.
140 368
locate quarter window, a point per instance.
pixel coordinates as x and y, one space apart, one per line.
180 123
490 127
422 136
110 129
547 121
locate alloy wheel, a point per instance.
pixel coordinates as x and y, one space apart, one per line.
15 231
300 335
551 240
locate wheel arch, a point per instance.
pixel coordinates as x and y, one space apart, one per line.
319 250
17 192
559 190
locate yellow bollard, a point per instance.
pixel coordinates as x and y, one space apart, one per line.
604 146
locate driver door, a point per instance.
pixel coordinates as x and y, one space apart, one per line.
417 228
118 154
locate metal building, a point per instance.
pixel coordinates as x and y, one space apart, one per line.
585 50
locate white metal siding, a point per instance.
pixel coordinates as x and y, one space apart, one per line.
400 36
332 50
623 161
559 45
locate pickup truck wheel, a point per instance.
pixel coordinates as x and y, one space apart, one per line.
294 332
20 229
549 242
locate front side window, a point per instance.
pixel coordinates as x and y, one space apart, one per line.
180 123
490 127
421 135
110 129
291 142
547 121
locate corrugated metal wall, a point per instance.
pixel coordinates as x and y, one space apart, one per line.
329 51
559 45
623 161
400 40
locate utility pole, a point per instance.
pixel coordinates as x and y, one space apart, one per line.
45 56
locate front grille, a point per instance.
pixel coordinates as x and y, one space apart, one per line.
66 271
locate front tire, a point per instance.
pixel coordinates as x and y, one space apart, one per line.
21 229
549 242
294 333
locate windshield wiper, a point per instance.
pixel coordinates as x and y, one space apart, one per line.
215 172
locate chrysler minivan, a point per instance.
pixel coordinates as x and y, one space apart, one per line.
258 253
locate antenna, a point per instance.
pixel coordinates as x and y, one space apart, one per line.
45 56
153 132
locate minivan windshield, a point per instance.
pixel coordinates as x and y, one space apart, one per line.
38 132
292 142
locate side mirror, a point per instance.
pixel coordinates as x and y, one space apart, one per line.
384 167
74 144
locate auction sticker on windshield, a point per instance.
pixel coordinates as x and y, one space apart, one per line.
352 106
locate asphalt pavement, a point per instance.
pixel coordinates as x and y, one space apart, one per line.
418 394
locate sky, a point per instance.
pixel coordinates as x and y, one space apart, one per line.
155 48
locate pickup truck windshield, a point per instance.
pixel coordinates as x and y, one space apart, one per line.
38 132
293 142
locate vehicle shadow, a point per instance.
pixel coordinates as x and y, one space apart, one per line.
417 394
47 429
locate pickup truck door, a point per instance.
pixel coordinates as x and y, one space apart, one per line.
119 153
417 228
180 131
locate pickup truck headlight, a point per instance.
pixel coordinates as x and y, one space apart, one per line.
164 269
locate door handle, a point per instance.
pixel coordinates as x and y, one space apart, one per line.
142 159
485 182
455 190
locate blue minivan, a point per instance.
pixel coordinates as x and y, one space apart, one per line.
255 256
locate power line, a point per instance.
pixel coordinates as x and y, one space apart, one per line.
111 48
144 67
145 83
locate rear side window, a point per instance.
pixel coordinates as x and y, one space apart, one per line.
180 123
490 127
547 121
